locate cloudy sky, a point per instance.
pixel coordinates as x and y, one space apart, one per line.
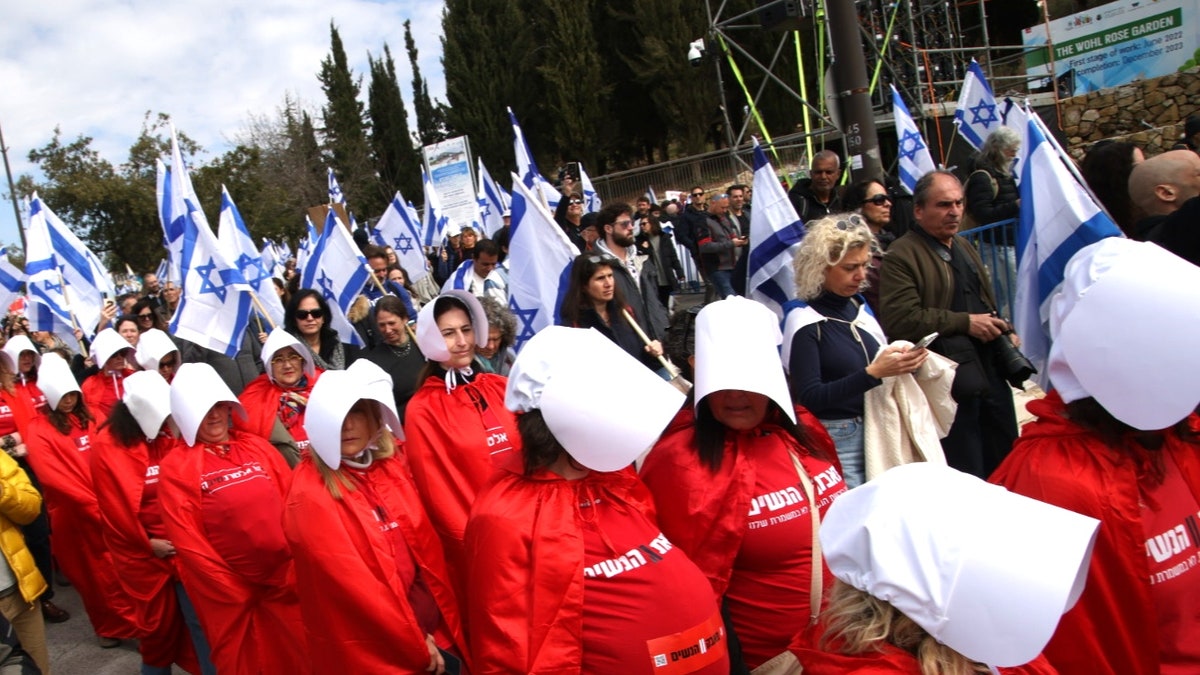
94 67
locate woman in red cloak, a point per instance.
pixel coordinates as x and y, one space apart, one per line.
59 450
570 573
374 591
222 495
735 480
126 455
276 400
113 354
459 432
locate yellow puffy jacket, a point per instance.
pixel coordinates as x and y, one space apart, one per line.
19 505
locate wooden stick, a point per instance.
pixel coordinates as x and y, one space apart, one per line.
677 380
263 311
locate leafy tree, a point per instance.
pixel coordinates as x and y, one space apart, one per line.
397 160
431 122
345 132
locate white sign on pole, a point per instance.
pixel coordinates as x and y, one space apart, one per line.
450 168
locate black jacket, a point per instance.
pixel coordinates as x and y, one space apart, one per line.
808 207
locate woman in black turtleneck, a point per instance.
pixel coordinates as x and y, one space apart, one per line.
831 339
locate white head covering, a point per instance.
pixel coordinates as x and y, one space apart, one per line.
148 397
332 398
194 391
279 339
737 347
429 338
55 379
564 372
1125 325
107 343
20 343
983 570
153 345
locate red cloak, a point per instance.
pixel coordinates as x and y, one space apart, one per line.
704 512
102 390
22 411
63 467
449 452
119 475
1114 626
355 608
525 550
251 628
260 398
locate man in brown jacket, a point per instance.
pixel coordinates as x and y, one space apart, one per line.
934 280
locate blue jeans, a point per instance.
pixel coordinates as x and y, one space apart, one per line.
199 640
722 281
847 437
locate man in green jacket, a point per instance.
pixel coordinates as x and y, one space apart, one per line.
933 280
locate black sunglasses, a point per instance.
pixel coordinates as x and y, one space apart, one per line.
879 200
148 315
697 194
575 201
303 314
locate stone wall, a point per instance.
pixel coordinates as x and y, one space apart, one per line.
1149 113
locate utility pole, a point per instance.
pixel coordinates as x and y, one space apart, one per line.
850 80
12 191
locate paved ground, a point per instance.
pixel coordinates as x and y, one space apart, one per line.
73 648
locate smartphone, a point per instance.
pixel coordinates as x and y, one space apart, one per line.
926 341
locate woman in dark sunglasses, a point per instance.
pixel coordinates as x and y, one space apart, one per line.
308 319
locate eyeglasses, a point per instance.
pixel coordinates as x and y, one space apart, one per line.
289 359
148 316
304 314
879 200
575 201
628 222
697 194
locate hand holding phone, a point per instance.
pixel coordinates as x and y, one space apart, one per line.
926 341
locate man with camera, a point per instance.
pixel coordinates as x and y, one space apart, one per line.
933 280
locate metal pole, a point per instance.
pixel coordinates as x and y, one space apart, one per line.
850 79
12 191
721 83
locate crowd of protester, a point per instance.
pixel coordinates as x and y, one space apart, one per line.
438 502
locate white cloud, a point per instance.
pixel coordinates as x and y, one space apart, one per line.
94 68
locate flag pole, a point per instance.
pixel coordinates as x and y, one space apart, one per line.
67 299
262 311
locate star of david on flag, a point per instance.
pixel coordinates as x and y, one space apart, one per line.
236 244
915 160
400 229
976 112
541 258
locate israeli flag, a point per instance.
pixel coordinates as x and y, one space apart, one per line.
335 190
337 269
179 205
591 200
915 160
214 307
541 257
63 274
162 270
775 230
492 202
976 114
307 244
238 248
172 227
1058 218
527 168
650 194
436 223
11 280
400 229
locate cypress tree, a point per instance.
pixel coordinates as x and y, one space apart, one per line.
396 159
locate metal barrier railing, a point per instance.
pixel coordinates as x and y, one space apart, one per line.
996 243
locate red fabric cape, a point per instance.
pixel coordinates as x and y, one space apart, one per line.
1114 626
525 550
890 661
448 452
99 394
251 628
355 609
65 474
260 398
22 409
119 476
702 512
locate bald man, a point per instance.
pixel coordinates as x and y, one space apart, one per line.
817 195
1165 188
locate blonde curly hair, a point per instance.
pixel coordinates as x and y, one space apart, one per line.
825 244
857 622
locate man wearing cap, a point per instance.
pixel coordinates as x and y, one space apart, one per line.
1115 439
934 281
